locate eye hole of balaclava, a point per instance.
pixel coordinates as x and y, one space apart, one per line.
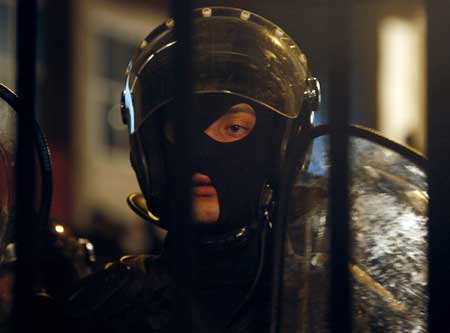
234 125
234 146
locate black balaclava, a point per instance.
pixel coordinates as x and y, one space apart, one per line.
238 170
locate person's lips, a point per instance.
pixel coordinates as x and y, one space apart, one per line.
202 185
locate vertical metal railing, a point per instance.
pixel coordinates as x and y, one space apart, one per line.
25 229
339 101
439 163
179 188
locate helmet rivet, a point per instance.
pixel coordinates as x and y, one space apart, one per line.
170 23
245 15
206 12
143 44
302 58
312 93
279 32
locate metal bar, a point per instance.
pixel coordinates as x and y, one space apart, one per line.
296 152
179 191
439 163
26 230
339 100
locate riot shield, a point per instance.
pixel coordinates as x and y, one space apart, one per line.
388 217
59 250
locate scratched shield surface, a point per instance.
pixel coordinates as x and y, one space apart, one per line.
389 243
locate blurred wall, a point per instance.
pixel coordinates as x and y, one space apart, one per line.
106 34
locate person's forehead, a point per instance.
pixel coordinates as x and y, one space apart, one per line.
213 105
241 108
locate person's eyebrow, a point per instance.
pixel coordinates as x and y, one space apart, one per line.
246 108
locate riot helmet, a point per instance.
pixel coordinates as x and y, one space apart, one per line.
250 80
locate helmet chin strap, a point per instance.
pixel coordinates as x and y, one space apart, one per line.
266 206
222 241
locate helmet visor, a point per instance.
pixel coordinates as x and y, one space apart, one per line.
234 51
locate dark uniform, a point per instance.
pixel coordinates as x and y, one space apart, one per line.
138 294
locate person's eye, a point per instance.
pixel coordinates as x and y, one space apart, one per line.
236 130
234 125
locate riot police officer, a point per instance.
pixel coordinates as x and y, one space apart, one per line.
250 80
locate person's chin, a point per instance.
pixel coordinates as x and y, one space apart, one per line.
205 209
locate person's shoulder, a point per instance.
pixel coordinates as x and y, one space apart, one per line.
135 286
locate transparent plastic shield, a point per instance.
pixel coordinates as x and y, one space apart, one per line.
388 244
